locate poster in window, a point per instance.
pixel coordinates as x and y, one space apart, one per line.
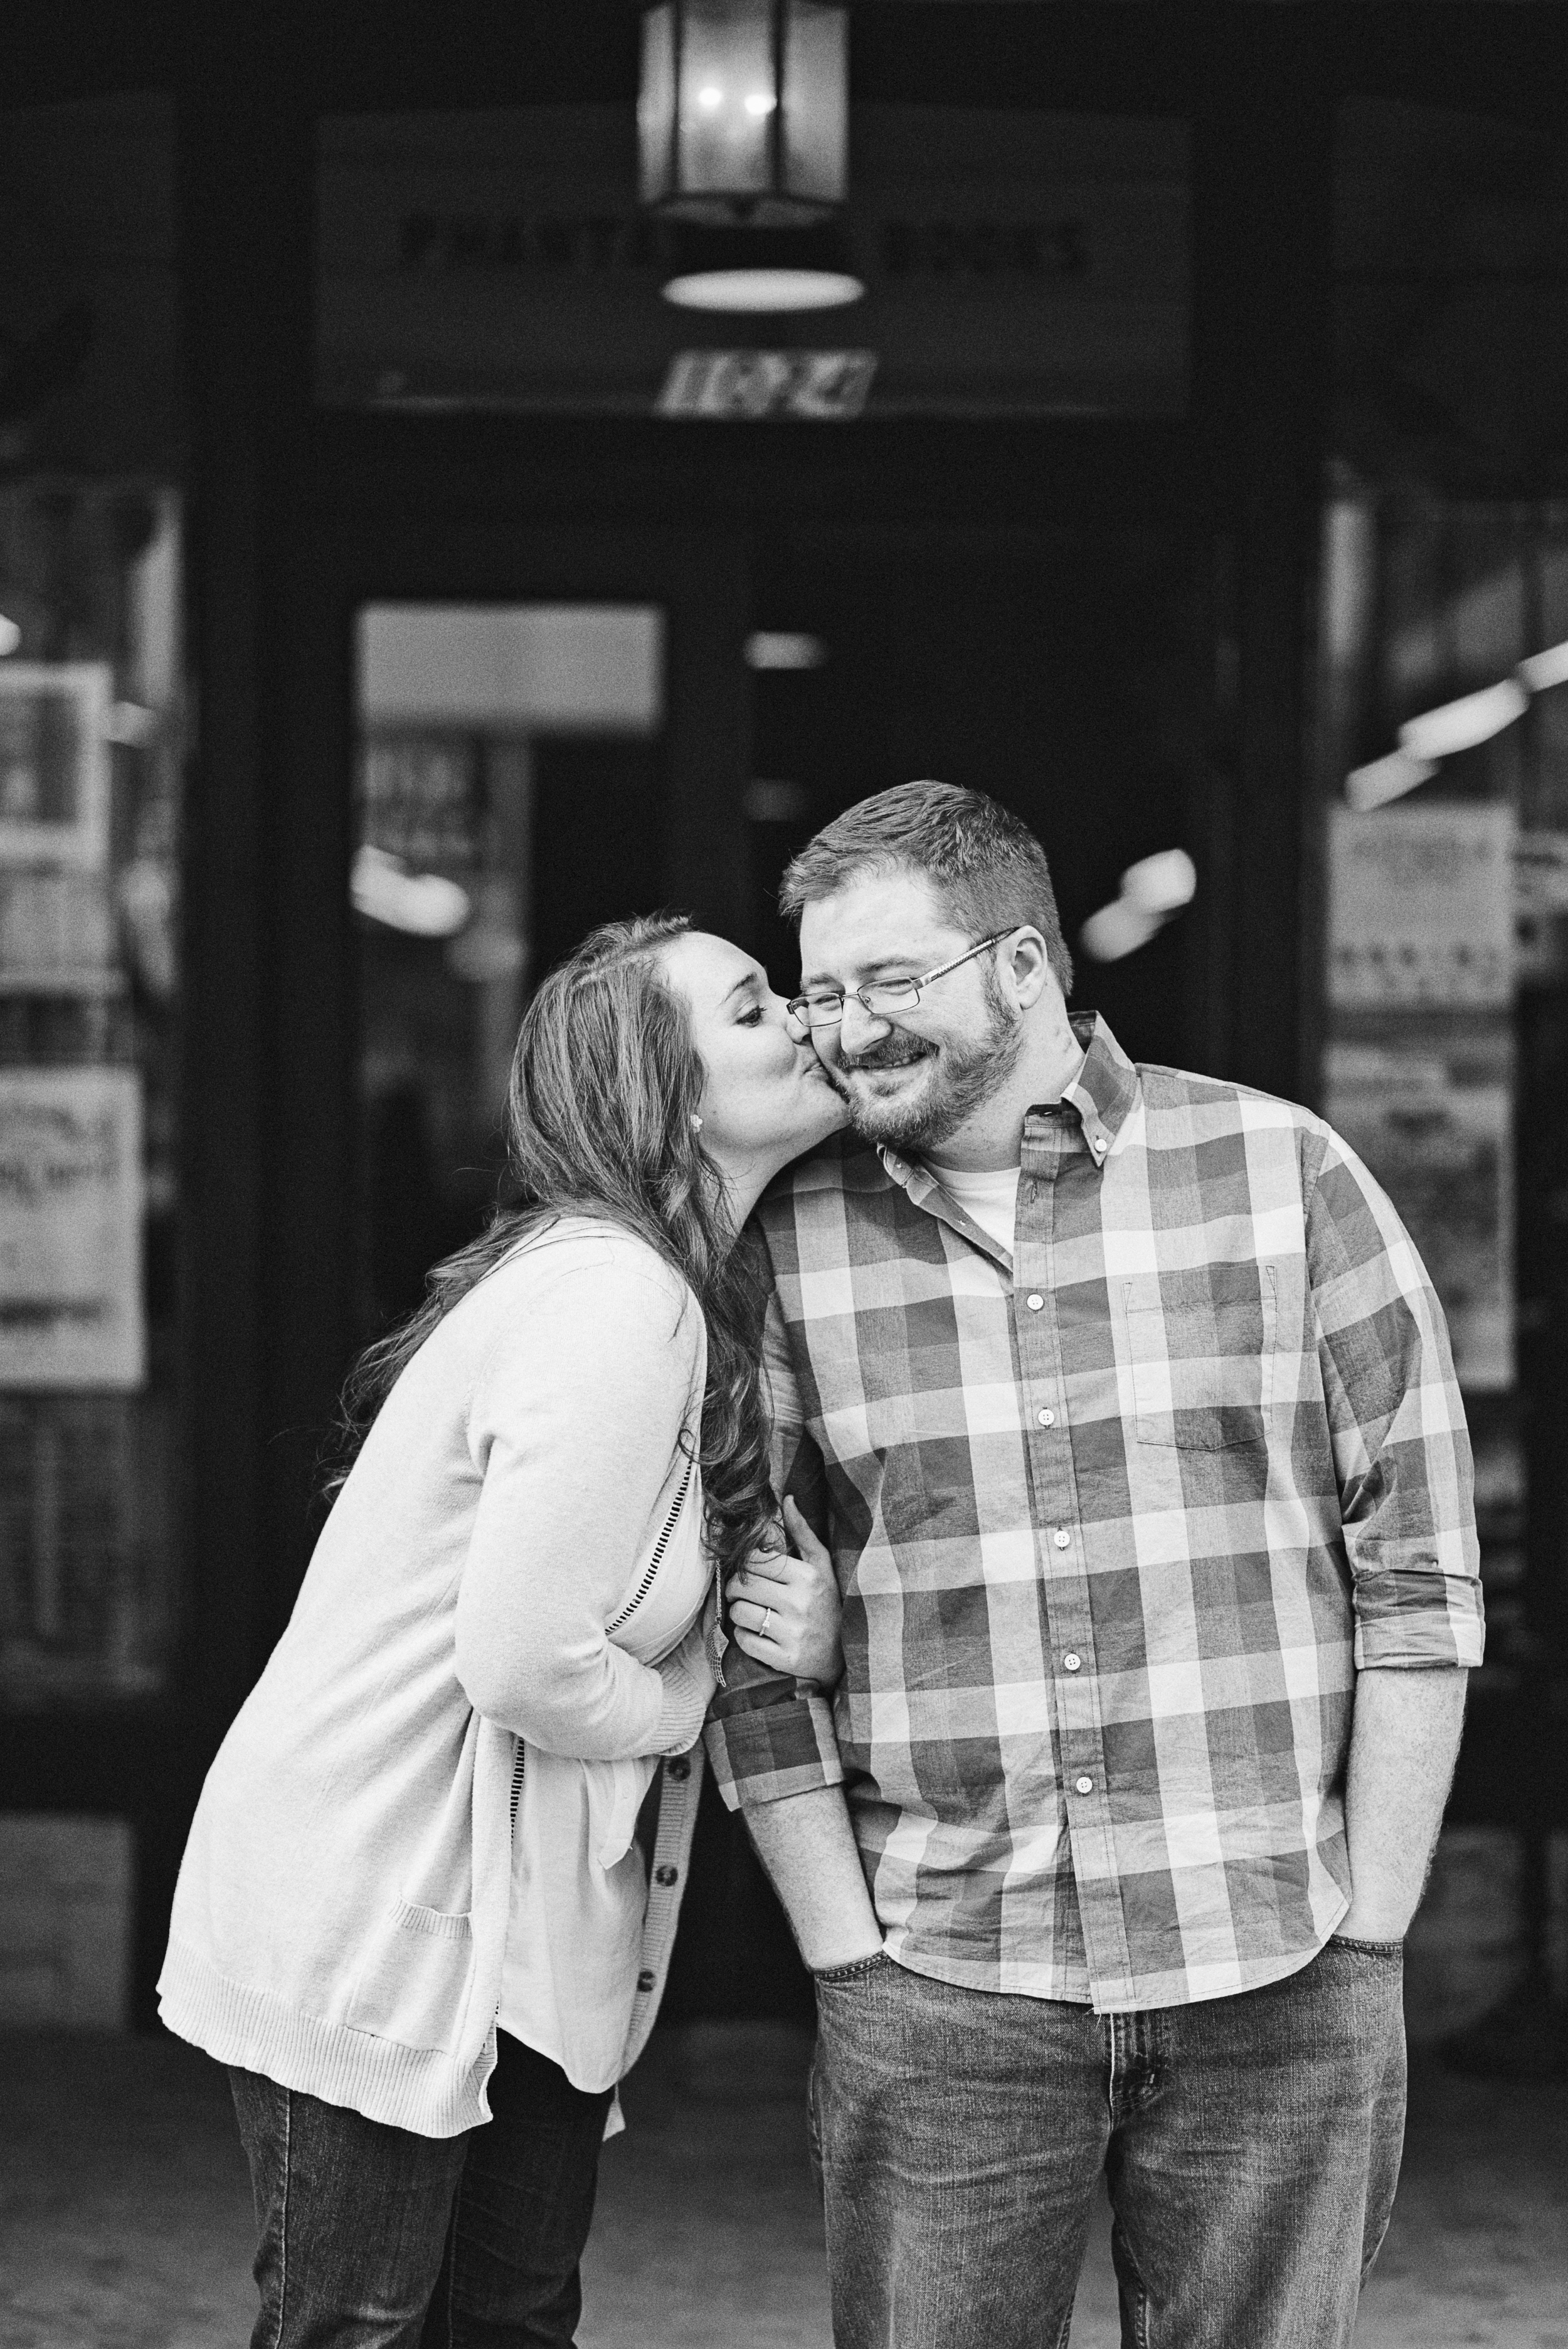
54 762
1436 1128
1421 908
70 1228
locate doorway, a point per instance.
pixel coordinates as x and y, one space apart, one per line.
531 757
509 796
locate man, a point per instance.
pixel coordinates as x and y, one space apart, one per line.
1126 1408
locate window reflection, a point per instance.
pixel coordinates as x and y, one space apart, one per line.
509 789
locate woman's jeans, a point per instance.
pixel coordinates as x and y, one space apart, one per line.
372 2238
1251 2146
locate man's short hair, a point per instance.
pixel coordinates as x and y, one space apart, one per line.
987 867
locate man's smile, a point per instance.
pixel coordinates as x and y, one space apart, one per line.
886 1059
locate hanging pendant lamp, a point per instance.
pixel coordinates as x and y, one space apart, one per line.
743 127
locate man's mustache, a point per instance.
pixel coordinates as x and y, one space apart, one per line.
885 1055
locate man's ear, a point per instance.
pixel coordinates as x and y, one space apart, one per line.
1030 965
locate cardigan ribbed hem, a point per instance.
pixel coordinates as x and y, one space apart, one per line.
415 2089
685 1705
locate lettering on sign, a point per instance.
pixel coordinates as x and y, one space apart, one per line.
1015 262
816 385
470 243
984 248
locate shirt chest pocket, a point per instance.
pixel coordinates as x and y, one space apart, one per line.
1202 1367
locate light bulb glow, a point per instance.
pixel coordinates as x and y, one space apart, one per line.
1465 724
1162 883
10 635
424 905
1543 670
1118 930
763 289
784 648
1151 892
759 103
709 96
1373 786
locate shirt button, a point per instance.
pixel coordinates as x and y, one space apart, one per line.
1084 1785
666 1875
646 1979
680 1767
1035 1300
1047 1418
1062 1538
1072 1663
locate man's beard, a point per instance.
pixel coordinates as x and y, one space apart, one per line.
963 1074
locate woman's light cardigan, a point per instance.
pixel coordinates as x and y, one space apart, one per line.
340 1920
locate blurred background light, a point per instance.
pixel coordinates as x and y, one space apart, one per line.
756 289
423 904
784 648
1373 786
1461 725
1151 892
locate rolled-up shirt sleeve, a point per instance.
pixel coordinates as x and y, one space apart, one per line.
769 1735
1402 1448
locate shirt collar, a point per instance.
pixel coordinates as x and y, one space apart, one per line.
1104 1089
1103 1093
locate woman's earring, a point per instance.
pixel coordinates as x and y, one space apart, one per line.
695 1122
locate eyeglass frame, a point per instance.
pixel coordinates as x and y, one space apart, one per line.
795 1008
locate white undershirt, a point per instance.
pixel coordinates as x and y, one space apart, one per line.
989 1199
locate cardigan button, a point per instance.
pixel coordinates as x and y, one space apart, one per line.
646 1979
680 1767
666 1875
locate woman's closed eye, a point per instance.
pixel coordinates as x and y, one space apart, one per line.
752 1018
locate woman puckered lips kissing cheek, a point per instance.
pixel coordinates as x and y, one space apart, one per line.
767 1098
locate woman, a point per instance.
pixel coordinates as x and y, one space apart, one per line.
413 1917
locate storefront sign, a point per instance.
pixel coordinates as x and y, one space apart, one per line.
70 1228
1015 264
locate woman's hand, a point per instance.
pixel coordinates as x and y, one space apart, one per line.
784 1610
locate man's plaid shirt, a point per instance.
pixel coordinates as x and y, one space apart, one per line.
1115 1524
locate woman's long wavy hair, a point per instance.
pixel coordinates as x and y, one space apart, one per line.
599 1113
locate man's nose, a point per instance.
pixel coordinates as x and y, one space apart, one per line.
858 1026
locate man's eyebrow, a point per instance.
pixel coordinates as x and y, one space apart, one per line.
866 970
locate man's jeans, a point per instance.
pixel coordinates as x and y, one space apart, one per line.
1251 2146
372 2238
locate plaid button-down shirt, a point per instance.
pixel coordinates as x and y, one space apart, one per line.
1116 1522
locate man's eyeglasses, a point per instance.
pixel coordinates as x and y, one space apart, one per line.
882 997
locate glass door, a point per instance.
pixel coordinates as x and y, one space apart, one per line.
509 795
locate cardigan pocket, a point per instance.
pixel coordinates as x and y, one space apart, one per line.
413 1987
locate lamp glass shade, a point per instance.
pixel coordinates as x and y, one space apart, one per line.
743 117
816 105
727 95
656 105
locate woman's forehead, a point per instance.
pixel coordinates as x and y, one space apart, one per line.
708 968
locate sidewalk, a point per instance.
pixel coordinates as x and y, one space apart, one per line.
125 2215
